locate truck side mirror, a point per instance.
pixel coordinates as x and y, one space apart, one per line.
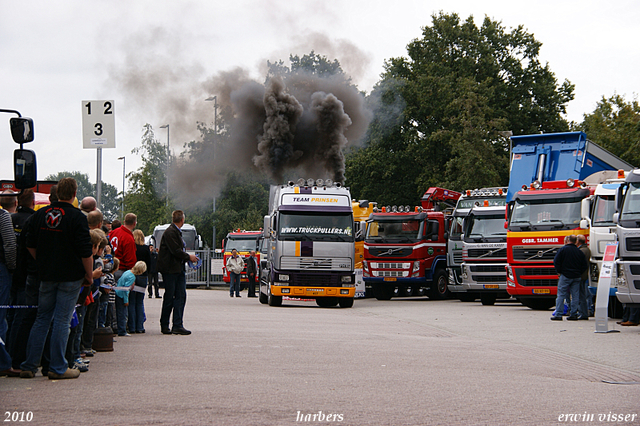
616 217
24 168
21 130
584 224
619 198
266 226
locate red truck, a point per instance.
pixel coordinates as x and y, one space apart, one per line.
244 242
405 249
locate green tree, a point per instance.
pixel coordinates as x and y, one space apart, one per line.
110 198
438 114
615 126
147 196
242 204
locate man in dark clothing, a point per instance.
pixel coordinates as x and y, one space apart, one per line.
153 272
585 295
570 263
171 259
252 273
58 239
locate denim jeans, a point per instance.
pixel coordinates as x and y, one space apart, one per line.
136 311
122 314
174 299
5 298
19 351
584 299
568 287
234 283
56 302
102 314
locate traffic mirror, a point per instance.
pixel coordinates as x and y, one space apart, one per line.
24 168
21 129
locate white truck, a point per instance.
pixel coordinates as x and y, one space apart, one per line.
484 254
192 240
310 239
597 213
468 200
627 218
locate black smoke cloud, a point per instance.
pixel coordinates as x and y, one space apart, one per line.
295 126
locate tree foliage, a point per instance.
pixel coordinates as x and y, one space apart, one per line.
110 198
439 114
147 196
615 126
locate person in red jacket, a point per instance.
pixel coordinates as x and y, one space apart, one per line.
124 245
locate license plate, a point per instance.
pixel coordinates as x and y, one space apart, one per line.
541 291
492 286
390 279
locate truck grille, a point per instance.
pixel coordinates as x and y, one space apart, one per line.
381 252
390 273
533 274
488 268
490 278
315 263
535 254
484 253
457 257
632 244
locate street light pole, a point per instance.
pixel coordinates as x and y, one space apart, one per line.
166 177
124 162
215 132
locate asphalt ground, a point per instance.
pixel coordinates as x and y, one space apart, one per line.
407 361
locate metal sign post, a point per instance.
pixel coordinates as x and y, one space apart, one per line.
98 131
602 295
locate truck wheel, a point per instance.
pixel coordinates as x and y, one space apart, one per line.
538 304
274 300
346 302
326 302
488 299
382 291
440 287
264 299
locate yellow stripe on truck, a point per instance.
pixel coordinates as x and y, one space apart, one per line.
297 253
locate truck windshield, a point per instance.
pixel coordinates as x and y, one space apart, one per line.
631 208
241 244
456 227
303 226
554 213
407 231
482 227
603 209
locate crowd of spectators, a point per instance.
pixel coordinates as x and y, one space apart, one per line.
65 272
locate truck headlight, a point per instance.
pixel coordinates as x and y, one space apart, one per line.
510 279
346 278
463 271
622 278
283 277
416 266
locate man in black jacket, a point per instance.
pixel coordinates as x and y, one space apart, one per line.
171 259
570 263
252 273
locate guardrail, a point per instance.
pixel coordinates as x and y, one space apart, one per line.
210 271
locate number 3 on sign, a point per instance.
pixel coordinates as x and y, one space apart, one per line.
98 124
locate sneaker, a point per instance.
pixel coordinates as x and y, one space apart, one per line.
69 374
88 353
556 318
124 335
83 368
180 330
27 374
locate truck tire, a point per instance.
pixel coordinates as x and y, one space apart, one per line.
488 299
327 302
346 302
538 303
440 287
383 291
274 300
264 299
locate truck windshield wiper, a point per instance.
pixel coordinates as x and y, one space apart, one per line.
526 224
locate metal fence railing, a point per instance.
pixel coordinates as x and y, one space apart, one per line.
209 273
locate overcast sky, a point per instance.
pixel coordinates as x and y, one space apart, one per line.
153 58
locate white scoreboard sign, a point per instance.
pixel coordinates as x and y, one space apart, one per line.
98 124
